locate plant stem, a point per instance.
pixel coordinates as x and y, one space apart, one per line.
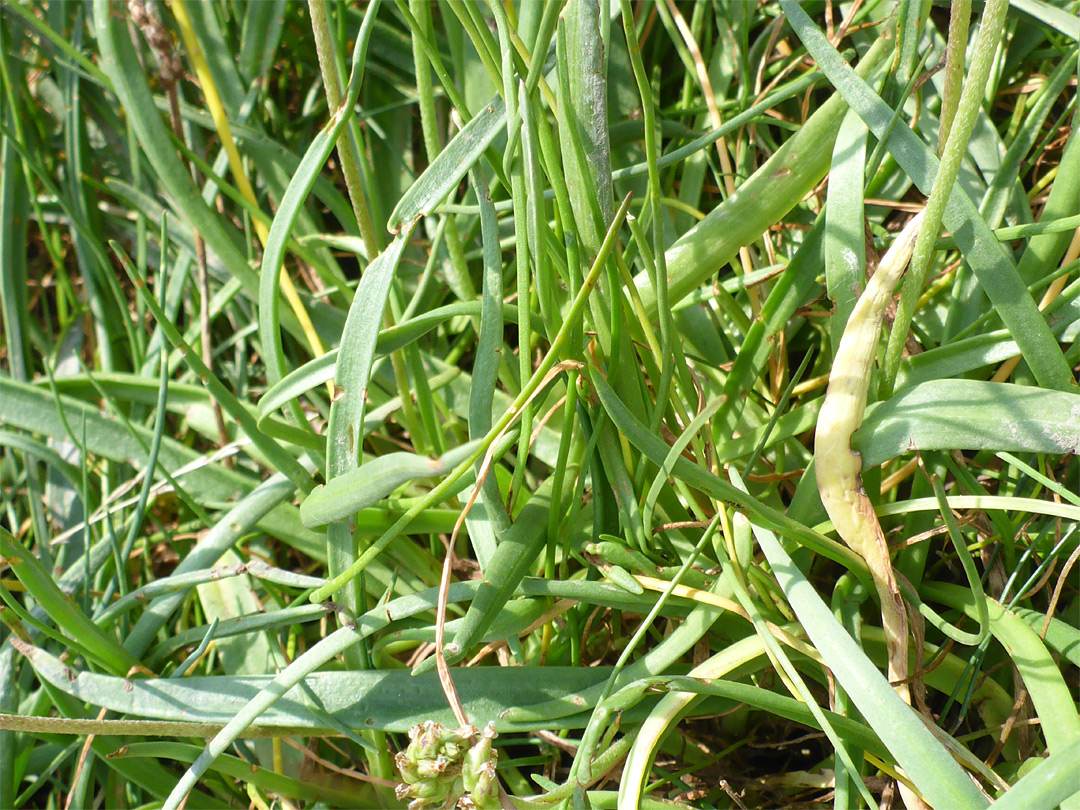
967 113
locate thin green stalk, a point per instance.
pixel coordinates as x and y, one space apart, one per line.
955 54
764 198
332 85
480 38
449 87
581 770
652 150
514 166
144 493
539 376
956 147
273 451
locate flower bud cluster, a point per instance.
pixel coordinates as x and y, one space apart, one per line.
441 765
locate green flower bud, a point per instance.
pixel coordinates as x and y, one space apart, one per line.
456 741
485 794
480 754
426 793
433 768
441 764
428 743
407 768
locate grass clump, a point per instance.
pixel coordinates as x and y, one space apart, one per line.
376 374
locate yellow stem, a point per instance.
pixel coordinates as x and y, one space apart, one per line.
839 468
236 165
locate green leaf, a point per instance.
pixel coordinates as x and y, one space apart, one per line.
969 415
1053 699
1061 21
929 765
451 165
1050 784
1063 637
761 201
845 243
60 607
983 253
121 64
367 485
392 700
656 450
516 553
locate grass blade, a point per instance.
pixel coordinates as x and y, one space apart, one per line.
917 751
984 254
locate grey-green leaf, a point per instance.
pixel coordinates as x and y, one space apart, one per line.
970 415
371 482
